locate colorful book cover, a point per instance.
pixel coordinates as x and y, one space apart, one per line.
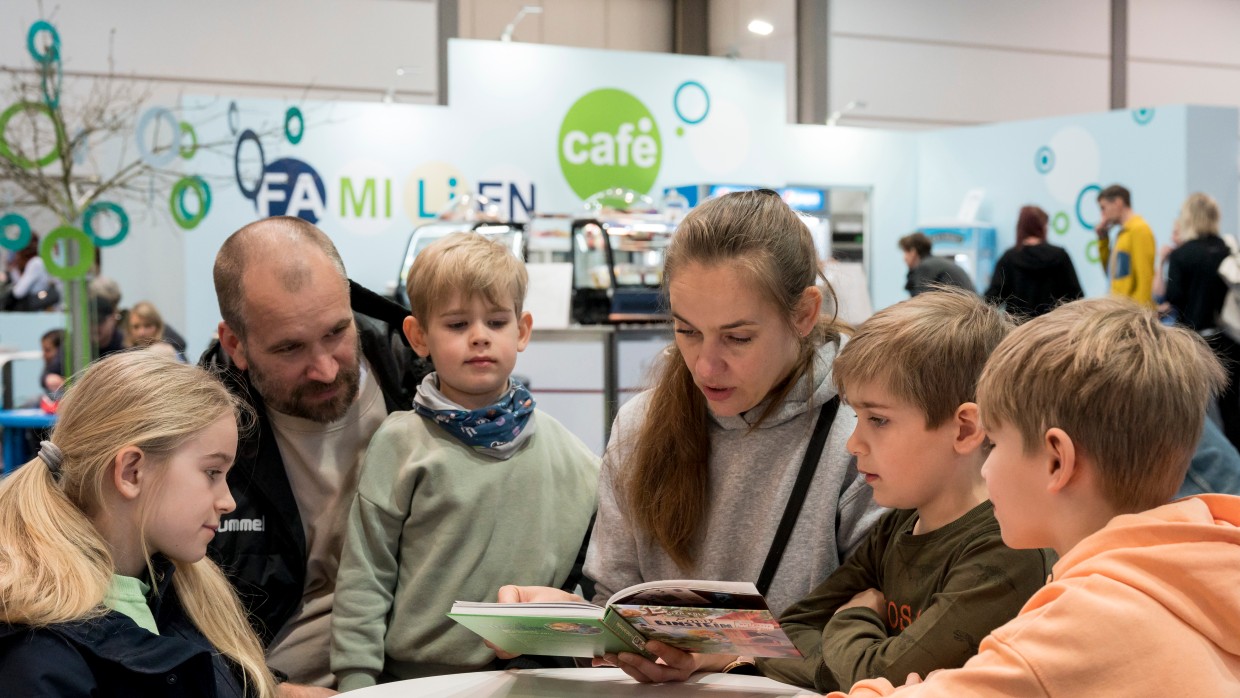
695 616
711 630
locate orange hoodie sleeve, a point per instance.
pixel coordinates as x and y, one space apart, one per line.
997 670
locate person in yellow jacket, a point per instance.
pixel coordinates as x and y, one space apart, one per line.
1131 268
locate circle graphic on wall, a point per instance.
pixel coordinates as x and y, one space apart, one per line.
691 102
10 241
609 138
1080 198
1060 223
1143 116
1075 162
250 136
51 51
85 253
1044 160
147 150
19 158
294 114
1091 252
181 213
122 220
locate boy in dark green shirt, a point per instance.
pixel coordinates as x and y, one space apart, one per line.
933 577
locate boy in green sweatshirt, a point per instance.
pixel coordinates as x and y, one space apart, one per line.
472 489
933 577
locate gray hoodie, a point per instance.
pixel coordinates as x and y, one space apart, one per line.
751 477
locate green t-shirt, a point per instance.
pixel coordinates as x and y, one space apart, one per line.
945 591
127 595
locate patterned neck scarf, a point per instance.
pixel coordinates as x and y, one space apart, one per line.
497 430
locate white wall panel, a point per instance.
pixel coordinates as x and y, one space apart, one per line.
947 85
574 23
1201 31
319 48
639 25
729 35
1042 25
1151 84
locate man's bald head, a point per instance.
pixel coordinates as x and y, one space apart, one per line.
280 246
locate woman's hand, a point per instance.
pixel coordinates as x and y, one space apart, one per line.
672 665
514 594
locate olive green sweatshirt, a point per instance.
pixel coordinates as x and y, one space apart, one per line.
434 522
945 591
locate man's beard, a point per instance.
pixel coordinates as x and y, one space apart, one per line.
293 402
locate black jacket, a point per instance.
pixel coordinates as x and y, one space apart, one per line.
265 556
111 657
936 271
1194 288
1033 279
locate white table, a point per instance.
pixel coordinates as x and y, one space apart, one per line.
574 683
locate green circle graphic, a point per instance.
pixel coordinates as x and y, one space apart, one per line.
1059 223
85 253
6 149
609 139
176 201
187 131
1091 252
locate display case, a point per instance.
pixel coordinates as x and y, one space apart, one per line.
618 250
465 213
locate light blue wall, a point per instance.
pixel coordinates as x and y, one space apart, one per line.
1161 155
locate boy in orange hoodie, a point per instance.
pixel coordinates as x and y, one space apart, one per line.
1094 410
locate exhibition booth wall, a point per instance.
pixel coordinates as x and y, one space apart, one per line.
540 128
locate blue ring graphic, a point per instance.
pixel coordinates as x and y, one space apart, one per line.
294 113
676 101
1044 160
46 71
19 243
54 50
1079 198
1143 116
234 118
249 135
144 149
97 207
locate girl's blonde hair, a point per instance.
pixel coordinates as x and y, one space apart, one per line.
665 483
144 310
55 566
1198 216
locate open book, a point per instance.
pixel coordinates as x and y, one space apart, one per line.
695 616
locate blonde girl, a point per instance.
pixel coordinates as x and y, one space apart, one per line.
105 589
144 325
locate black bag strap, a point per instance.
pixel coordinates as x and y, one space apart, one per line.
813 454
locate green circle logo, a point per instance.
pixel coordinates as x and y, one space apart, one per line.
609 139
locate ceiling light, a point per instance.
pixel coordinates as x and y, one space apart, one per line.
761 27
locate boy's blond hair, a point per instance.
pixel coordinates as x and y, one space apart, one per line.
1130 392
469 264
927 351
